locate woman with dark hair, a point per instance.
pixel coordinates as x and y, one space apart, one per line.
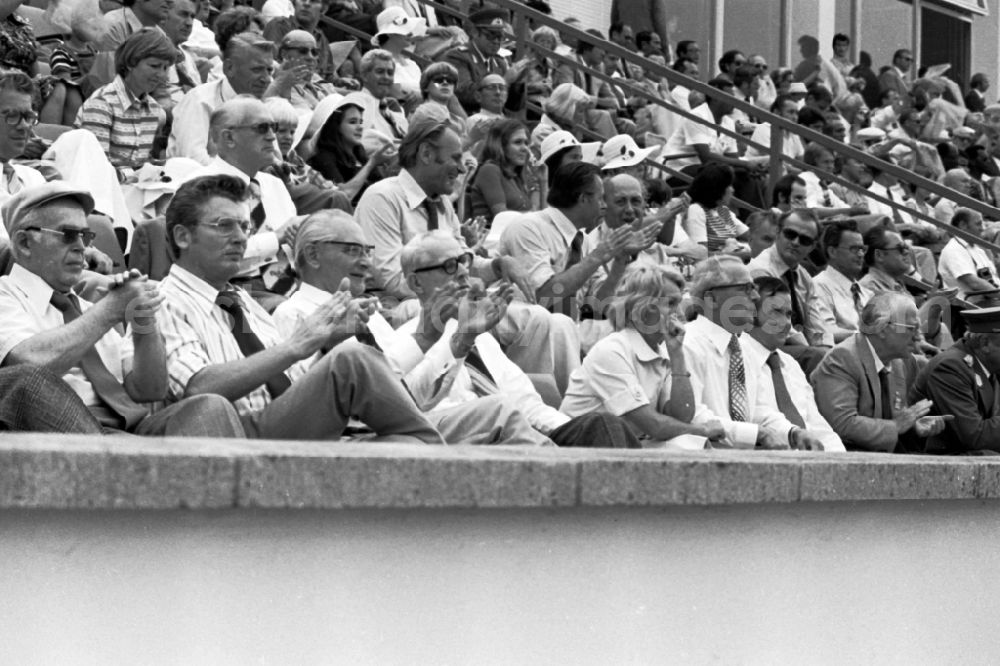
709 220
503 180
335 148
126 130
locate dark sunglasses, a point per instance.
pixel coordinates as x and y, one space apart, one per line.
451 265
259 128
803 240
443 80
69 236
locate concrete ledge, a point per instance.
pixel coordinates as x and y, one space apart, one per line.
63 472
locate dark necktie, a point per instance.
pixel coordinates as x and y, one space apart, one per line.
790 280
575 249
995 405
781 393
482 379
106 386
257 214
248 342
385 107
430 206
737 382
883 380
567 304
856 295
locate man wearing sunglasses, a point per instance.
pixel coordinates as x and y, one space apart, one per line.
243 132
46 324
481 56
297 79
219 340
798 232
306 19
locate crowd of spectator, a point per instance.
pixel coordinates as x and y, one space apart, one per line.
220 221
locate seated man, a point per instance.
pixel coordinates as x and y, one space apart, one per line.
964 266
243 132
864 380
491 94
306 20
46 324
382 117
838 291
297 79
395 210
793 395
218 340
726 387
962 383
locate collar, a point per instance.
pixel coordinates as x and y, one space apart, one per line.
643 352
562 224
131 19
761 352
415 194
222 167
718 336
878 362
839 278
881 277
205 292
36 290
126 97
225 91
778 263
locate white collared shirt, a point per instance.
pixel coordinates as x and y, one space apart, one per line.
541 241
437 380
833 292
197 334
959 259
706 352
189 131
376 127
816 327
24 301
799 390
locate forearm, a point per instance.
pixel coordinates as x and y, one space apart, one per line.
681 403
147 382
659 426
614 276
354 185
567 283
975 283
61 348
235 379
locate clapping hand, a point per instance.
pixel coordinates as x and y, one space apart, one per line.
474 232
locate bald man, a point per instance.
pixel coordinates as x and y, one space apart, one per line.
242 130
298 80
247 67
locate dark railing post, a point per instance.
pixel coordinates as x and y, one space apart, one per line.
775 166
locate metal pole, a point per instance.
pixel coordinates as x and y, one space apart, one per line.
785 34
915 38
855 30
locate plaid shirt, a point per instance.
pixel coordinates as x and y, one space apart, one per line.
125 125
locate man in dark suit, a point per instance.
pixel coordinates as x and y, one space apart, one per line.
975 99
963 383
862 382
481 57
894 77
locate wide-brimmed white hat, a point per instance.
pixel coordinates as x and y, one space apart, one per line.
395 21
622 151
561 140
322 113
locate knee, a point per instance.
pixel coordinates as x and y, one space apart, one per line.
208 403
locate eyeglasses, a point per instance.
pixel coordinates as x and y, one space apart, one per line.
227 226
909 327
451 265
15 118
443 80
353 250
496 87
304 50
792 235
69 236
259 128
854 249
902 249
746 287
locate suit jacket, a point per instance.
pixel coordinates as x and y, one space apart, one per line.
959 385
891 80
975 102
849 394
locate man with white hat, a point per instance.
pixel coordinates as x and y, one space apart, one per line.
46 324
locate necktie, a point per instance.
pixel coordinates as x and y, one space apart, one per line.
106 386
482 380
575 248
184 78
883 380
781 393
827 201
856 295
567 304
246 339
385 107
737 382
430 206
257 214
995 404
791 280
12 182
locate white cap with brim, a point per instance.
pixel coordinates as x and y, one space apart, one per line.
797 88
870 134
622 151
555 142
18 206
395 21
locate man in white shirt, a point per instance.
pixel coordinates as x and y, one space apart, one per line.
382 116
248 64
243 132
726 387
184 75
837 287
793 395
965 266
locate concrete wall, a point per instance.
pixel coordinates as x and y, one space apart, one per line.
986 47
838 583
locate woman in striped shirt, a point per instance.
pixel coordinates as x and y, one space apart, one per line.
709 220
123 115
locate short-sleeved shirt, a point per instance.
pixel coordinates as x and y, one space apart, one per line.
125 125
27 311
620 374
491 185
541 241
197 334
189 130
959 258
692 133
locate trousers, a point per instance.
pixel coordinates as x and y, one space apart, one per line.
488 420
